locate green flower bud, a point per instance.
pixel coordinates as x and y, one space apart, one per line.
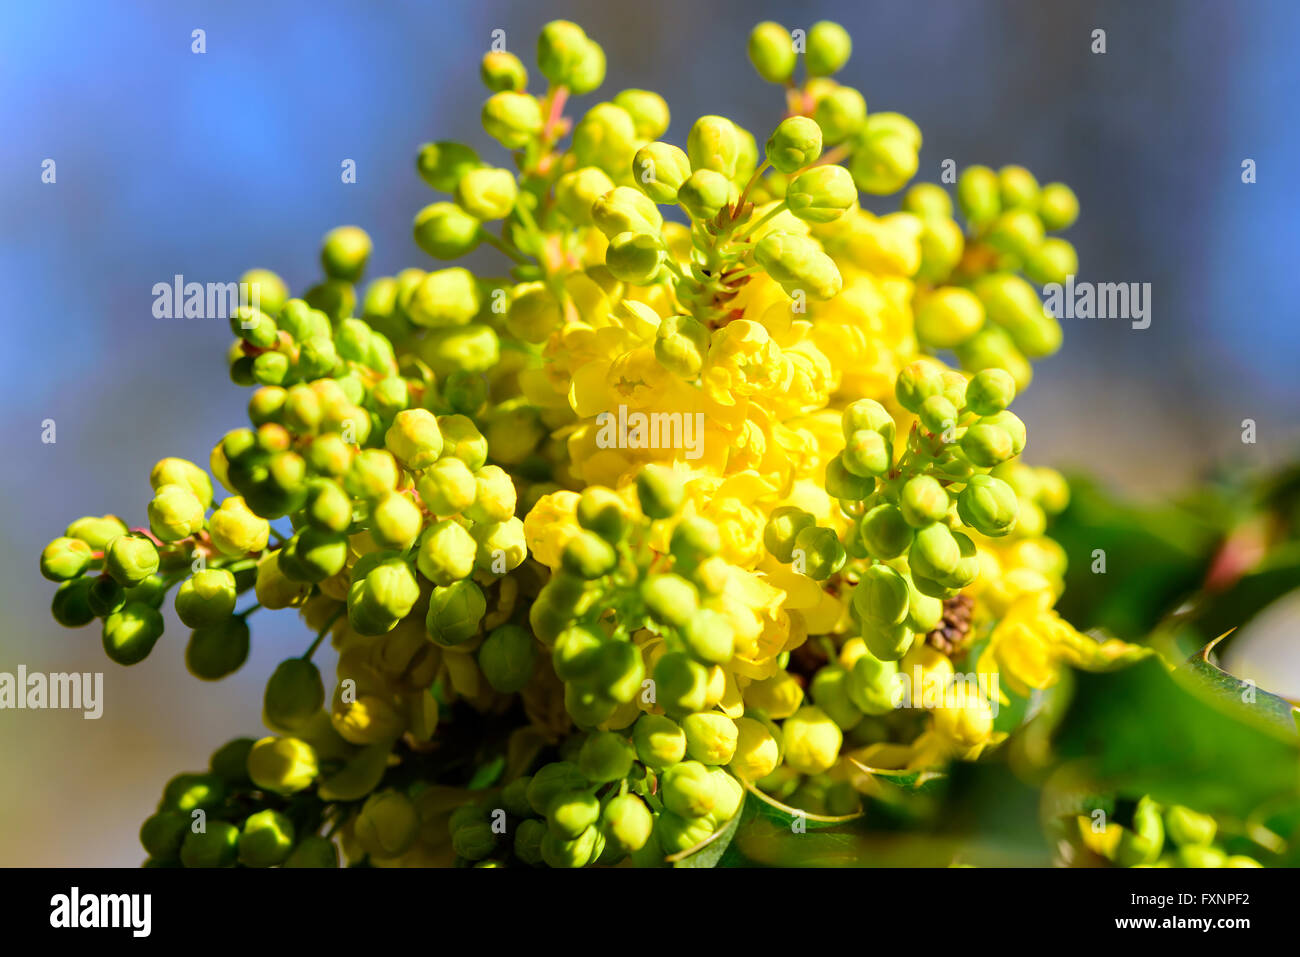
472 348
830 693
215 651
659 170
783 526
942 245
988 505
1058 206
395 521
603 512
528 841
314 852
313 555
829 46
130 559
870 684
344 253
578 852
949 317
935 552
561 47
105 596
689 790
704 193
512 119
937 415
1187 828
254 327
445 231
771 50
442 164
627 823
282 765
506 658
71 605
270 368
173 471
502 546
175 513
455 612
670 598
648 111
501 70
885 532
606 756
270 290
990 391
487 193
693 540
388 825
796 143
588 556
475 841
916 383
576 653
987 445
267 403
444 298
65 558
812 740
131 632
682 345
883 163
572 812
660 742
822 194
979 195
1016 231
799 265
821 552
577 191
929 201
1017 188
676 834
414 439
464 392
206 598
840 113
867 454
163 834
317 358
635 258
294 695
217 846
868 414
606 137
715 143
660 491
447 552
328 507
710 737
923 501
383 597
882 596
552 780
1054 261
619 671
266 839
624 210
185 792
1143 843
887 642
681 685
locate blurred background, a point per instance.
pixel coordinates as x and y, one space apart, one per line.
205 165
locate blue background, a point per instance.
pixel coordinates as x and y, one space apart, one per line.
172 162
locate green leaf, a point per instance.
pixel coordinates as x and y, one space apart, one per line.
487 774
1202 674
1138 731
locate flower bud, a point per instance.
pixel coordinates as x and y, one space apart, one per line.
935 552
623 210
1017 232
294 694
659 491
215 651
798 264
705 193
990 391
987 445
949 317
979 195
502 71
758 752
273 588
710 737
266 839
606 137
444 298
217 846
771 50
988 505
104 596
442 164
173 471
659 170
314 852
71 606
1058 206
821 551
830 693
395 521
561 47
414 439
131 632
1053 261
577 191
648 110
605 757
783 526
175 513
1187 828
487 193
689 790
822 194
660 742
682 345
715 143
929 201
840 113
870 684
313 555
382 597
344 253
923 501
570 813
501 546
829 46
552 780
65 558
681 684
130 559
506 658
254 327
627 823
710 636
604 512
670 598
387 824
812 741
270 290
445 231
206 598
796 143
881 596
867 454
163 834
455 613
588 556
885 532
966 723
282 765
512 119
1017 188
886 642
635 258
